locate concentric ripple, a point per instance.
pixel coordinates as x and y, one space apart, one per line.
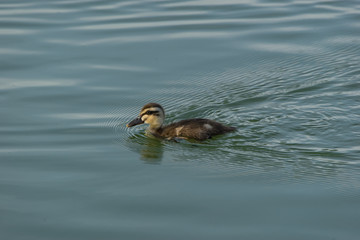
276 85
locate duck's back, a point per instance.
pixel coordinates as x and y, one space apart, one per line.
197 128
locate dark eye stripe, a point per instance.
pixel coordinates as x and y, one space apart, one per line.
149 113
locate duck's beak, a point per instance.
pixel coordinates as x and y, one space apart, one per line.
135 122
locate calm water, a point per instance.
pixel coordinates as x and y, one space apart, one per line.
285 73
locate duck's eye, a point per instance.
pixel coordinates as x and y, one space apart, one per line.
148 112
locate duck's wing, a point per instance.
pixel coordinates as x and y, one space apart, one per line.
197 128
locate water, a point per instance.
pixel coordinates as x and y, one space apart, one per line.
285 73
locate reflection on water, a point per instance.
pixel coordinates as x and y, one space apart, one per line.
149 148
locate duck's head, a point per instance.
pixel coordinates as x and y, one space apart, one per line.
152 114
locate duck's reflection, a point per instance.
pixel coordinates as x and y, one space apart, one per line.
150 148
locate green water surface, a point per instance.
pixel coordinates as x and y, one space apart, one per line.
286 74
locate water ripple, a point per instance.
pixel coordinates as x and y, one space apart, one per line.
284 73
6 84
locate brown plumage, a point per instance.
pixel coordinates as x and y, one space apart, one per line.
197 128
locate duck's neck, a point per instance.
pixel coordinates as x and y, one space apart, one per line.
155 128
156 124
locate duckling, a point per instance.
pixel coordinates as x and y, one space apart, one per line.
197 128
